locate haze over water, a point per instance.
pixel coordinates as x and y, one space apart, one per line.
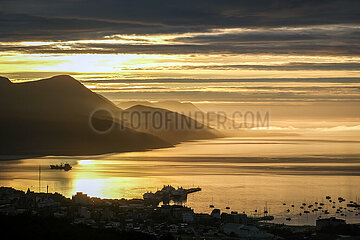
244 173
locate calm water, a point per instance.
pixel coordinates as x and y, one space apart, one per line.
245 174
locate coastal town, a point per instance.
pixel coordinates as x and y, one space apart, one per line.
148 219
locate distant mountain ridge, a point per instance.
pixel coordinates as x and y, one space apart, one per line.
171 126
175 106
51 117
54 116
212 119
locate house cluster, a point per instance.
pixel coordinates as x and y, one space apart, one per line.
127 215
134 215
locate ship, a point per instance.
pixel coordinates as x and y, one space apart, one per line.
65 167
169 193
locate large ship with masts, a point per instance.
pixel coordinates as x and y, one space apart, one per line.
168 193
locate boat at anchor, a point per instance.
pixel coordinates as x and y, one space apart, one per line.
65 167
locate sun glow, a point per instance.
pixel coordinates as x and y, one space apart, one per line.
117 55
86 162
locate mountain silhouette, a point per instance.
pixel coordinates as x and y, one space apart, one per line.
216 120
181 107
4 81
59 97
55 116
170 126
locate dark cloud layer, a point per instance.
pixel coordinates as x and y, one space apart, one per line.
294 48
77 19
24 27
294 27
237 96
279 67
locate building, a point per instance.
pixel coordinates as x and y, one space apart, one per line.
81 198
216 213
84 212
329 223
234 217
188 216
244 231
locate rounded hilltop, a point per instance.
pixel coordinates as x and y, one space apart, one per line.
63 80
4 81
57 84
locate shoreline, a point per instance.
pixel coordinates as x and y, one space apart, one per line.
129 216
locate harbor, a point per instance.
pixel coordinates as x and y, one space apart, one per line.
256 190
155 222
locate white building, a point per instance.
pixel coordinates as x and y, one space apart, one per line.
244 231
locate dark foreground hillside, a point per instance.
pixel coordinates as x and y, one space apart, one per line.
30 227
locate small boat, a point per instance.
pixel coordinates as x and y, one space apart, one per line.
65 167
288 219
354 205
227 207
212 203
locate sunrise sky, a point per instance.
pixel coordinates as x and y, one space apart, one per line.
276 83
200 51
